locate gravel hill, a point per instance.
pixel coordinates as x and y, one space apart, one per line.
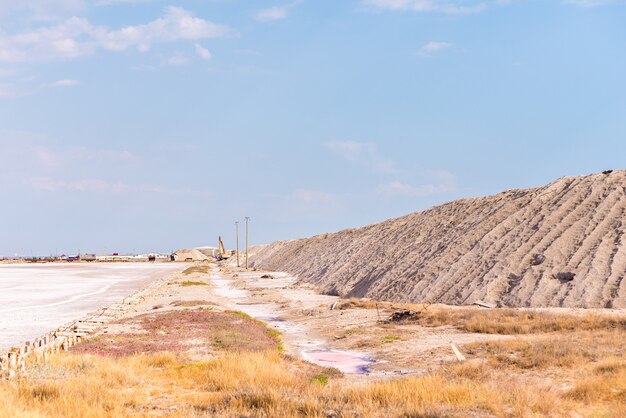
559 245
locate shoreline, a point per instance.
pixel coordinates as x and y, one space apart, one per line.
15 356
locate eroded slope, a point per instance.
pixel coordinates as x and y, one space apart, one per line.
558 245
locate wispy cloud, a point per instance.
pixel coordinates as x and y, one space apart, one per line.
276 12
65 83
176 60
589 3
48 184
202 52
361 153
442 182
76 37
41 10
312 196
52 185
433 47
426 6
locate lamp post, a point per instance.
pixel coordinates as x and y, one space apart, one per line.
237 231
247 221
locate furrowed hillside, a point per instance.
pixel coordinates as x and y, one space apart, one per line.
560 245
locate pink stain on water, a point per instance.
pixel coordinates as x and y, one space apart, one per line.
348 363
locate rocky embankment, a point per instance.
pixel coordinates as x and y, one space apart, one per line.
559 245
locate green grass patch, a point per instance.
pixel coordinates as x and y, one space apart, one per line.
388 339
196 269
320 379
271 332
188 283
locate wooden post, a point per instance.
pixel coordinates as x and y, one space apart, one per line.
12 355
457 352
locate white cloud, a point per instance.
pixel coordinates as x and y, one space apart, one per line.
8 90
312 196
114 2
362 153
65 83
52 185
176 24
276 12
273 13
41 10
589 3
202 52
397 188
432 47
177 60
49 184
76 37
427 6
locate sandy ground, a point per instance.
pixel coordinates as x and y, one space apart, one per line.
350 340
35 299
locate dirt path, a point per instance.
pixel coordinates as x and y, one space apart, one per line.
351 339
344 338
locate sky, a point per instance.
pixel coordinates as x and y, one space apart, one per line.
148 125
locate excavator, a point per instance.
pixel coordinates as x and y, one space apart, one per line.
222 253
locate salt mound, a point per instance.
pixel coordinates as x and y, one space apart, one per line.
558 245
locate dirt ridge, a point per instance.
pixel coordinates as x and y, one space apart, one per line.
559 245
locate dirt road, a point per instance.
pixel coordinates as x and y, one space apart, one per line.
351 337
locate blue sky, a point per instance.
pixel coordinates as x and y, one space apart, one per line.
152 125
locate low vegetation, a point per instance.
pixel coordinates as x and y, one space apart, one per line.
197 269
516 321
270 384
190 303
549 366
198 330
188 283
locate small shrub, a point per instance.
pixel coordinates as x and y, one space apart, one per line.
188 283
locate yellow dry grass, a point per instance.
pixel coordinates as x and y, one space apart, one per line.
517 321
270 384
556 364
197 269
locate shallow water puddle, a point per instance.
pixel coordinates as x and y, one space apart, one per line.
346 362
313 351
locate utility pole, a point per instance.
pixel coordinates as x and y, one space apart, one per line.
247 221
237 229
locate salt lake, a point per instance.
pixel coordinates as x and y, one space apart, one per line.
37 298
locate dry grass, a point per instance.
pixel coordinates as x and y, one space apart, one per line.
188 283
579 371
515 321
180 331
253 384
190 303
353 303
197 269
498 381
595 350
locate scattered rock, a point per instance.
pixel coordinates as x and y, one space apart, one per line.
607 172
403 315
267 276
565 277
537 259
